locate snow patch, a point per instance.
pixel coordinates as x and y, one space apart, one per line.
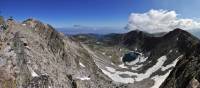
23 24
143 59
151 70
115 77
83 78
133 62
110 69
170 51
136 49
121 58
122 66
112 63
173 64
136 67
81 64
114 74
140 59
159 79
33 72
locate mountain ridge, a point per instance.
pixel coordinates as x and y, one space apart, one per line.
177 42
35 54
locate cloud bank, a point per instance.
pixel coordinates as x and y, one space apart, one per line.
159 21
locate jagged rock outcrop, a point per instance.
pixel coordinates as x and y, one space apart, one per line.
35 55
185 71
39 82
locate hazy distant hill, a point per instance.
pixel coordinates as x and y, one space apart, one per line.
86 30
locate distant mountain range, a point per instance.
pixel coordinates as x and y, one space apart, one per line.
94 30
105 30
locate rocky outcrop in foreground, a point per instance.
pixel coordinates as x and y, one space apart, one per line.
35 55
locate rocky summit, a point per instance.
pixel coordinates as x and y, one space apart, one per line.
35 55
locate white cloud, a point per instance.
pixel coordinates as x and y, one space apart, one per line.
159 21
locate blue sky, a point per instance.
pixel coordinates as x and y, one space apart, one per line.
96 13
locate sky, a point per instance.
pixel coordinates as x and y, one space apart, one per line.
96 13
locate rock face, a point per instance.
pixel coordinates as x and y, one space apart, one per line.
35 55
187 69
186 72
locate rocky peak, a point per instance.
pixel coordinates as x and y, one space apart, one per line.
179 33
136 34
32 22
45 30
185 41
186 72
35 55
142 40
10 21
135 38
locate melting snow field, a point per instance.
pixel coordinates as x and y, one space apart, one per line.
114 74
117 78
110 69
132 77
171 65
160 79
138 77
122 66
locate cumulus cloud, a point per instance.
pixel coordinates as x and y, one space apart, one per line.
159 21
